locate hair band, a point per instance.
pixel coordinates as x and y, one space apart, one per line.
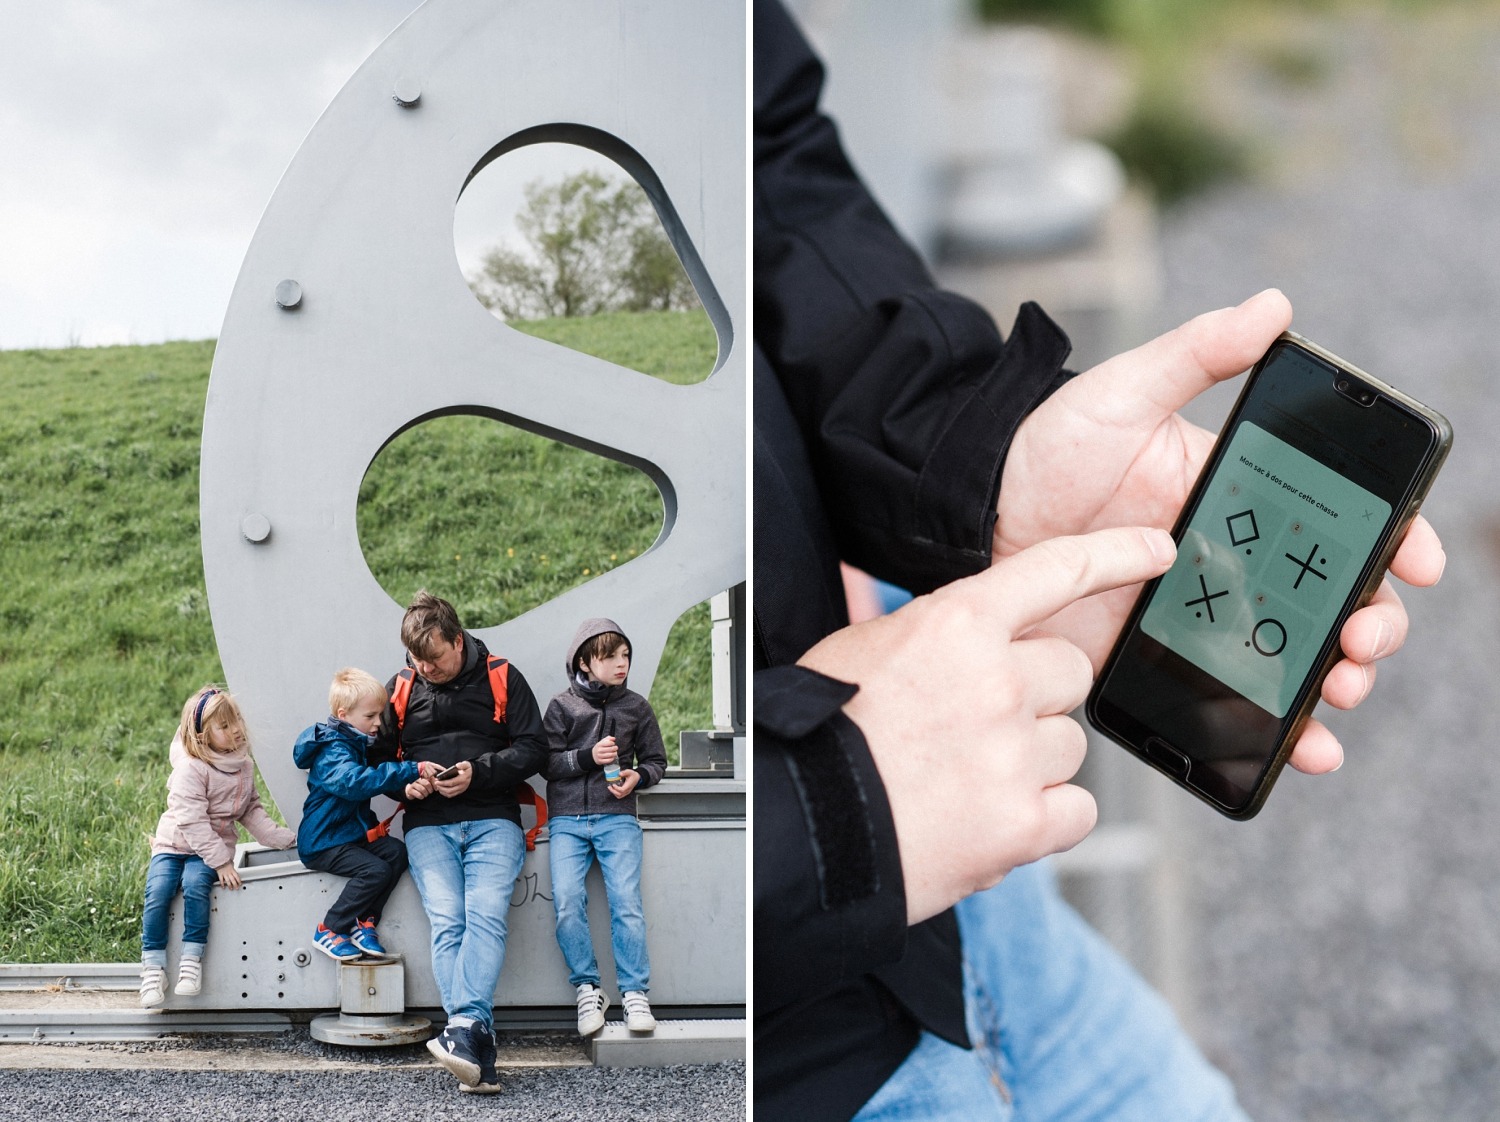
198 712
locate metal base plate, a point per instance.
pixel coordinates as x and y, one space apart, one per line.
369 1032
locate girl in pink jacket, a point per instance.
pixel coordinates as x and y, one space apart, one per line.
211 788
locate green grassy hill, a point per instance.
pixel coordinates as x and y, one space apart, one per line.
104 626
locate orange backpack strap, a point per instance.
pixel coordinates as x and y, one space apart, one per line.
526 793
400 698
499 686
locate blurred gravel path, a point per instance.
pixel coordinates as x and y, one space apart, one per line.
1350 935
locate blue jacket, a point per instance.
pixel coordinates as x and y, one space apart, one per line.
340 785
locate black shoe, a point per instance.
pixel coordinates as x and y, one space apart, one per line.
454 1048
483 1043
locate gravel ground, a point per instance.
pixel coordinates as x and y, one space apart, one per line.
388 1088
1350 936
695 1093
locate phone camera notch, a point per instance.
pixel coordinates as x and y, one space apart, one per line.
1359 394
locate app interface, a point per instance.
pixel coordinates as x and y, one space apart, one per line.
1266 563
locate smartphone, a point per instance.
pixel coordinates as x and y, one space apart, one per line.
1313 482
448 773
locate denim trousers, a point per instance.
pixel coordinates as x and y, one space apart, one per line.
373 867
166 873
574 840
1062 1027
466 873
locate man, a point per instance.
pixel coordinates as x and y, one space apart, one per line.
463 833
905 766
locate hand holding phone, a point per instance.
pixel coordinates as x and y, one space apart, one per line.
1318 474
1109 448
446 774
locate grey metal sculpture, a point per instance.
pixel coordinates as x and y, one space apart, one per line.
351 322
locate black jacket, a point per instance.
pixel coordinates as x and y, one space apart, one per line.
456 721
883 410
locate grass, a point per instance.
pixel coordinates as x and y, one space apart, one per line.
104 625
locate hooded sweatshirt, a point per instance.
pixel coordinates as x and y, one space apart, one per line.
205 800
340 784
584 714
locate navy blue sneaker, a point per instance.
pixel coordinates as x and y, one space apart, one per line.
488 1082
365 939
456 1049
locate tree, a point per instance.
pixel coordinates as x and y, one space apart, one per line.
592 245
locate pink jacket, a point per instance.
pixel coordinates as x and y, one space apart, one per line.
204 801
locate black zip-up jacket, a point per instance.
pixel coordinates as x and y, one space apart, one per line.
883 410
456 721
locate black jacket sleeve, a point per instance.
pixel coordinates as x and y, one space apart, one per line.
526 754
880 441
817 794
906 395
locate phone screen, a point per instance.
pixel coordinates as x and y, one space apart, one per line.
1308 486
1264 566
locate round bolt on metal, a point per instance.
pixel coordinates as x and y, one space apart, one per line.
408 91
289 294
371 991
255 527
302 958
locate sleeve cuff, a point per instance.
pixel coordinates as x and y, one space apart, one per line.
850 832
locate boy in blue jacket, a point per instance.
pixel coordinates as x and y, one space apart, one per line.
335 835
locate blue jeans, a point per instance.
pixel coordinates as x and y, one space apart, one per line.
573 842
466 873
166 873
1062 1027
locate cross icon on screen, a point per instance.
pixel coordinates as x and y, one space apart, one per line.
1307 566
1207 599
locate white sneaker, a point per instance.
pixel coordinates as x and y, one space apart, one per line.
638 1016
189 977
592 1003
153 986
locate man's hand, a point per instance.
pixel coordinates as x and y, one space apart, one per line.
1108 449
228 878
964 706
629 777
452 788
606 750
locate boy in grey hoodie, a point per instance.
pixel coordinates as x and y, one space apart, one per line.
603 746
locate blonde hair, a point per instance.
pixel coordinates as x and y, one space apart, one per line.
208 708
349 685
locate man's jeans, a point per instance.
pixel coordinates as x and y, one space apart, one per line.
164 875
466 873
1062 1028
573 841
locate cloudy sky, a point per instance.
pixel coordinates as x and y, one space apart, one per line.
141 139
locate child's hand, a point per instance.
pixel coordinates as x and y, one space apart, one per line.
606 750
228 878
629 777
419 790
426 769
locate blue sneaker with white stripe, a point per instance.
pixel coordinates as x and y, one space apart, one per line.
335 946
